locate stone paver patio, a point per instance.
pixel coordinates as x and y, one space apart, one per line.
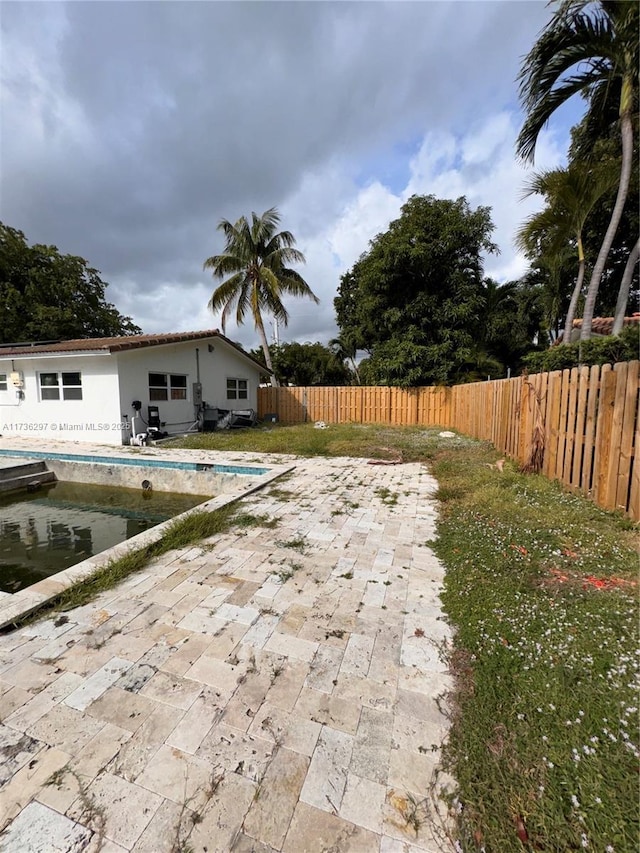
270 689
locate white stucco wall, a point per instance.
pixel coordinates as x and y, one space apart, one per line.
94 418
222 363
111 382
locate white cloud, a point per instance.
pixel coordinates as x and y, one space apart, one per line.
130 129
479 165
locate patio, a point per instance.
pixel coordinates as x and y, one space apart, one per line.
271 689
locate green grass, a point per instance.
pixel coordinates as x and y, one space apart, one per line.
544 729
370 441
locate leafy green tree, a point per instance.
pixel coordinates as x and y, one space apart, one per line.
413 301
591 48
307 364
255 272
46 296
511 320
570 195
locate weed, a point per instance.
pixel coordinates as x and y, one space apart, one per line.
387 496
280 494
186 822
247 519
91 814
276 670
297 544
336 632
347 575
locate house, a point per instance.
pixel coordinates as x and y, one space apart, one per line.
85 390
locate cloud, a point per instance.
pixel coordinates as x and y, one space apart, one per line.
130 129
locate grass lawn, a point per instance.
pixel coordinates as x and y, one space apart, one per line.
541 587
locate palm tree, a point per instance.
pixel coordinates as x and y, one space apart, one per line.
571 195
254 266
625 286
344 349
598 43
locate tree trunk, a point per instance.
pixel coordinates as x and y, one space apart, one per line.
265 350
623 187
625 286
355 370
573 304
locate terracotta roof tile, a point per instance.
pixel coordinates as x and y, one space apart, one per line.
603 325
118 344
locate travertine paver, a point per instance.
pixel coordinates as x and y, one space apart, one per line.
270 689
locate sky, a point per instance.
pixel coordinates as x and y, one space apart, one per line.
128 130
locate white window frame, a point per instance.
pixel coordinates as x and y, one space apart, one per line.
62 387
234 391
170 387
4 385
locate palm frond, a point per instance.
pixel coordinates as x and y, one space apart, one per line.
543 109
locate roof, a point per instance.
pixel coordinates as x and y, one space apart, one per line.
116 344
602 325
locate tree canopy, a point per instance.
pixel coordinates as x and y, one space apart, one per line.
415 299
307 364
46 296
591 48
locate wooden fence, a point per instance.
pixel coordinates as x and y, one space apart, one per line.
588 416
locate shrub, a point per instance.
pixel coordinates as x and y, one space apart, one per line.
608 350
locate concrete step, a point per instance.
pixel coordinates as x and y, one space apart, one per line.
25 475
10 468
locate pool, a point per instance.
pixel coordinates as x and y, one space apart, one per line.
164 474
56 526
209 480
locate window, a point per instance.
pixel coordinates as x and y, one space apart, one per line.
51 384
167 387
71 386
158 386
3 381
178 385
237 389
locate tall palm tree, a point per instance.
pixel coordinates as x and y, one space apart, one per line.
571 195
592 48
256 273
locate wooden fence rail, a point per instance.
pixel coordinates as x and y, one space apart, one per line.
588 417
